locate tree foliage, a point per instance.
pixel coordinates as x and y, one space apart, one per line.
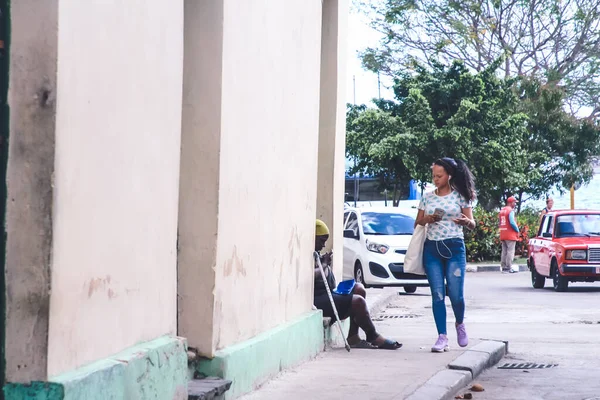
559 146
555 41
376 140
513 133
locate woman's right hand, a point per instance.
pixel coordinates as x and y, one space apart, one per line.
431 218
424 219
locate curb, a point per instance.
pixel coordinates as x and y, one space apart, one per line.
492 268
381 302
463 370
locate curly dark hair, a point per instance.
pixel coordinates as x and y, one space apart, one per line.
461 178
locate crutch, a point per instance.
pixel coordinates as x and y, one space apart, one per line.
328 289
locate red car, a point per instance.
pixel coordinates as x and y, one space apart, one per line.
566 249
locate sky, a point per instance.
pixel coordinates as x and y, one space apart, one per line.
360 35
361 83
364 89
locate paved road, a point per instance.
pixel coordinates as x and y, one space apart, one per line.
542 327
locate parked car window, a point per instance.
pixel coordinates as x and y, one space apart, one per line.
543 226
346 218
352 223
550 227
387 224
578 225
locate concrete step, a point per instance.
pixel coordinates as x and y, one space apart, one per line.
210 388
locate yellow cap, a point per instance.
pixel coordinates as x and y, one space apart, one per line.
322 229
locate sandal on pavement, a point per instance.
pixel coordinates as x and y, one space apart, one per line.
390 345
363 344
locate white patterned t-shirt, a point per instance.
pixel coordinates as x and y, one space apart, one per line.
452 204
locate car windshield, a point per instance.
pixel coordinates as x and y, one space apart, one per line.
387 224
578 225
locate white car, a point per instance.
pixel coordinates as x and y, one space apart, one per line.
375 242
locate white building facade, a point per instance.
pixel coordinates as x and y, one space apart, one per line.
164 167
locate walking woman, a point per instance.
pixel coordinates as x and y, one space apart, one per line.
446 211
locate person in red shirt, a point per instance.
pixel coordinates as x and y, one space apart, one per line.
509 234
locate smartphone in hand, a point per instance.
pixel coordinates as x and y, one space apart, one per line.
439 212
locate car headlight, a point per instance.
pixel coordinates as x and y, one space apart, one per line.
377 247
576 255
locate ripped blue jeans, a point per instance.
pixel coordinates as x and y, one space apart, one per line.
445 263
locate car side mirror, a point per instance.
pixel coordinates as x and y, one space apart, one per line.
547 235
349 233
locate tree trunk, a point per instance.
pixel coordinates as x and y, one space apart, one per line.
520 198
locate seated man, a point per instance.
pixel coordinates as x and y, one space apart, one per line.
353 306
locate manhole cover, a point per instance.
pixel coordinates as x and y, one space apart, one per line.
394 316
527 366
585 322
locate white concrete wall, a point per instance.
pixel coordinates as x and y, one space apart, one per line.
268 165
332 127
118 127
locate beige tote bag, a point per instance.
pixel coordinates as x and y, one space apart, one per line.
413 260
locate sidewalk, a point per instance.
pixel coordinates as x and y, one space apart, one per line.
491 267
383 374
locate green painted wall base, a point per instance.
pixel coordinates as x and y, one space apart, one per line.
151 370
34 391
249 364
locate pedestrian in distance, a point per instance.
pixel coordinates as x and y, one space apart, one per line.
445 211
548 208
509 234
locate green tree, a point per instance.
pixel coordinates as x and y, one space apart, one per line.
555 41
513 133
474 117
558 145
376 141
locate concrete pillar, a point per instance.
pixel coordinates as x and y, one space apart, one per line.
268 169
116 178
200 169
332 124
247 185
31 98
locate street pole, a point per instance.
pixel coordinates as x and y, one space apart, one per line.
572 197
355 174
355 184
354 87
